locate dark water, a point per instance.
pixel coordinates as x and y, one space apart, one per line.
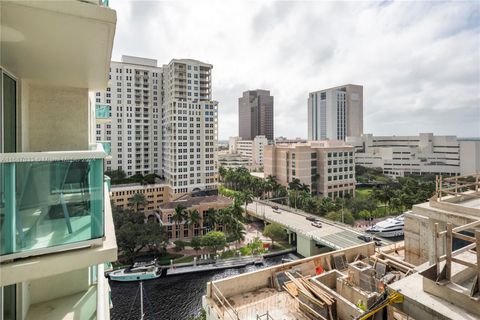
173 298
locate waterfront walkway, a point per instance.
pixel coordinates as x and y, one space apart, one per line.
218 265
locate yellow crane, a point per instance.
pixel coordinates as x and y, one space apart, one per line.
392 298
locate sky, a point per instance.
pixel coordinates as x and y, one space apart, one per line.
418 61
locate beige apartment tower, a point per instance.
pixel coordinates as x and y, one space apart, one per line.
335 113
189 127
327 167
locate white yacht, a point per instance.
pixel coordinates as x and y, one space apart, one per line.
389 228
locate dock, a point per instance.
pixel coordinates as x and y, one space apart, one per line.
218 265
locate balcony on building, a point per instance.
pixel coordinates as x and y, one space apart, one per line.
51 201
103 113
56 227
107 148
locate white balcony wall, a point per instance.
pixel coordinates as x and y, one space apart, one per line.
54 118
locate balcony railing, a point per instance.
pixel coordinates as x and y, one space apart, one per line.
50 201
107 147
102 112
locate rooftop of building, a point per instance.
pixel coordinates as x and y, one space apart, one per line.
191 61
313 144
339 87
190 200
140 61
136 186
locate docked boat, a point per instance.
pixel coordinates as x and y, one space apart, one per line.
136 273
389 228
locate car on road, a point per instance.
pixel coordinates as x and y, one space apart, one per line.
310 218
316 224
276 209
365 238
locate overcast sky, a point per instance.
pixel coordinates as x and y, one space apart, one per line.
419 62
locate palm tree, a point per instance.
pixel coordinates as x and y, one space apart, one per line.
137 200
222 172
193 218
238 232
178 216
295 184
226 219
211 219
247 197
236 209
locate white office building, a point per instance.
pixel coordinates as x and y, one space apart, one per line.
335 113
189 127
251 149
134 97
425 153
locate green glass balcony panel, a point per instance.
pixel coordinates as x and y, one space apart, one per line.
107 147
108 182
44 204
102 111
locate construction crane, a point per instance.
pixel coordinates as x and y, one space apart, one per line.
387 298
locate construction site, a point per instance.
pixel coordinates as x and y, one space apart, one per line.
433 274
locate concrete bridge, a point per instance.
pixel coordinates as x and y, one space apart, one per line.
310 240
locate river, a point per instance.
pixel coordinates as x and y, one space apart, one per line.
175 297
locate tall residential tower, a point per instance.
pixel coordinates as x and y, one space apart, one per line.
335 113
255 114
134 97
189 126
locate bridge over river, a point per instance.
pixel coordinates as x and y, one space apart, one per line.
310 240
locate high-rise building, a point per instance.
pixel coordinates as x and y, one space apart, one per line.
326 167
134 98
335 113
189 127
255 114
56 226
251 149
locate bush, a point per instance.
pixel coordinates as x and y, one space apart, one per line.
179 245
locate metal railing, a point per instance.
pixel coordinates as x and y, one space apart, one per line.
225 306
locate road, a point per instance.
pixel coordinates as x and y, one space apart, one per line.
331 234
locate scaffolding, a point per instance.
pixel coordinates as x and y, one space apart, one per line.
444 275
457 186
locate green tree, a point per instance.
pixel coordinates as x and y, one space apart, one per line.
138 200
247 198
196 244
222 172
211 219
214 240
275 232
226 219
116 176
192 218
178 217
337 216
238 231
179 245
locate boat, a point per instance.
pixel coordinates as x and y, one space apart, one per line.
389 228
136 273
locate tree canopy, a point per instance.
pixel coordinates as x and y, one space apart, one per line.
275 232
214 240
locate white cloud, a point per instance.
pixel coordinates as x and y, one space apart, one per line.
419 62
